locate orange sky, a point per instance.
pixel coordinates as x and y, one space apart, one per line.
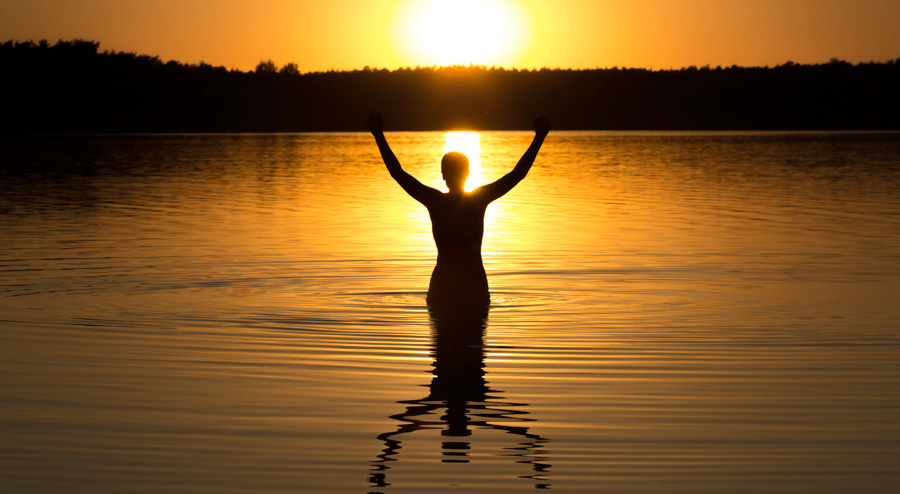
350 34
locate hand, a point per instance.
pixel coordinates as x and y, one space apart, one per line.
375 122
541 125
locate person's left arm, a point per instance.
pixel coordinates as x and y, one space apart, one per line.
497 189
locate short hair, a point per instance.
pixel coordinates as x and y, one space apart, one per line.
454 163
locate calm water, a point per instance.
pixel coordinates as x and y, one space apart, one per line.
246 313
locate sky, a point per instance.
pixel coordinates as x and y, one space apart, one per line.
351 34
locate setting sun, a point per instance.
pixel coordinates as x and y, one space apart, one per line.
460 32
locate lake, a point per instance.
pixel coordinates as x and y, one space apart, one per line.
671 312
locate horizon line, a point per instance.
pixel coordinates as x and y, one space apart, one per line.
497 67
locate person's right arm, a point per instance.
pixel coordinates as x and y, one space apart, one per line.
413 187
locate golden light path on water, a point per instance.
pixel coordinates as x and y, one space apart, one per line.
469 144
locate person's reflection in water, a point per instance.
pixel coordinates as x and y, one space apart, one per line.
460 400
457 216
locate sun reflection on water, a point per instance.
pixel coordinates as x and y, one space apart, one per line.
469 144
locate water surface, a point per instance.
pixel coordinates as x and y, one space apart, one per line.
671 312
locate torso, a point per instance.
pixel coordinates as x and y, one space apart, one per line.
457 223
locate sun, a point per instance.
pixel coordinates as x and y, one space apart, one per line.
460 32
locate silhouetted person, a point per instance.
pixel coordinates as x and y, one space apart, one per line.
457 218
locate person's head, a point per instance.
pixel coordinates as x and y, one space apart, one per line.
455 170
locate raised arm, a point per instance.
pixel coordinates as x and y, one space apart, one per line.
413 187
497 189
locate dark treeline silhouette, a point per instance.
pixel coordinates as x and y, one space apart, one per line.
73 87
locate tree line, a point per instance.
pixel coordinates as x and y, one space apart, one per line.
72 86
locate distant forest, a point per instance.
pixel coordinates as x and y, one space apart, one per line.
73 87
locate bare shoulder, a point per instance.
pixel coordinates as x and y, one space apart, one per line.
483 193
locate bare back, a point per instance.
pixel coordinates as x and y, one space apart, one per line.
457 223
